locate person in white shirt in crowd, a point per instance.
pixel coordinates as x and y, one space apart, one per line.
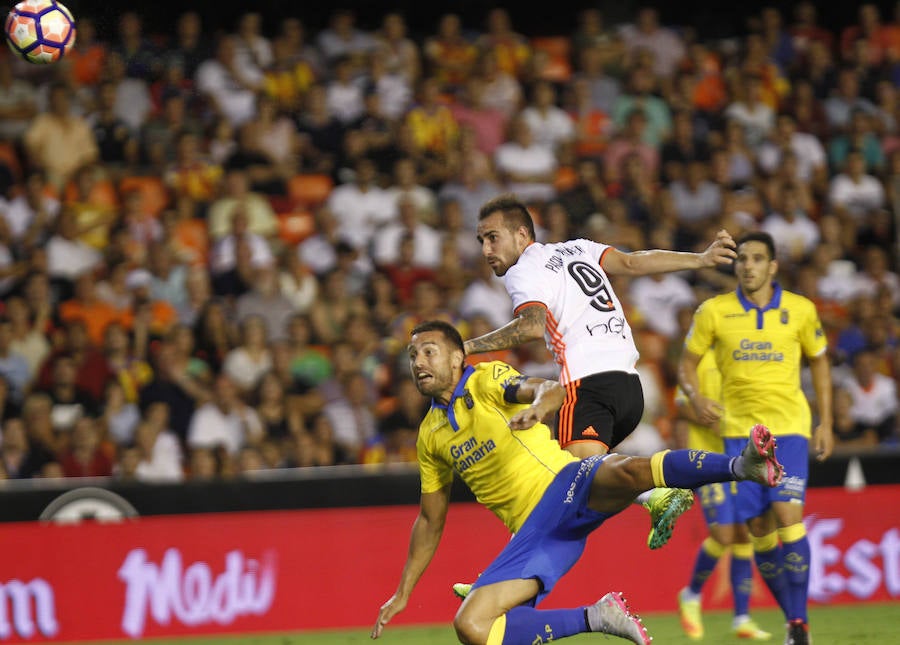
527 167
265 301
426 240
874 396
351 414
645 33
795 234
406 186
229 83
750 111
224 253
343 38
657 298
162 460
811 159
253 48
394 89
853 193
361 205
261 218
486 295
552 126
31 212
67 256
344 92
246 363
225 421
876 275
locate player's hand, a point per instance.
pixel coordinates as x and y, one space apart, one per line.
823 441
721 251
391 608
526 418
708 411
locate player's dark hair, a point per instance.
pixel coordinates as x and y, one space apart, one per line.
515 214
759 236
448 330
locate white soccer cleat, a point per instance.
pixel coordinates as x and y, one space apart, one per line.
610 615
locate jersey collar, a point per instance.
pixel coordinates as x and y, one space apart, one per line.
459 391
774 303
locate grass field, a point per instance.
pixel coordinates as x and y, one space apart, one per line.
838 625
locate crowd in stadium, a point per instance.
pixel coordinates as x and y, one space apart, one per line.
213 246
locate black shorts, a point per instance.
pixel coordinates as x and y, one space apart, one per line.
603 407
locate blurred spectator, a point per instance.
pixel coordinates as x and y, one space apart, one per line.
26 336
20 459
160 451
853 193
360 205
225 421
17 103
639 95
266 301
509 48
253 48
190 175
120 417
14 368
849 436
237 195
189 47
141 57
657 299
553 127
96 314
396 438
430 121
240 240
74 343
228 83
811 160
30 214
874 397
486 295
321 133
526 167
401 53
426 241
281 421
789 224
332 307
70 400
341 37
628 141
58 141
251 358
449 56
646 34
116 141
131 103
502 90
88 54
351 416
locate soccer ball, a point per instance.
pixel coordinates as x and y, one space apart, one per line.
40 31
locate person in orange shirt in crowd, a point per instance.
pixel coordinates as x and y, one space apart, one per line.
89 308
88 54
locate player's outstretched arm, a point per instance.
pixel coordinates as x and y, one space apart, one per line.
528 325
423 542
720 251
823 435
708 412
545 397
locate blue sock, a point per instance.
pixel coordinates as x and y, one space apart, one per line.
690 468
707 557
771 569
796 567
741 581
527 625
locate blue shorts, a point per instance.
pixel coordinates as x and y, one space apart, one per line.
755 499
553 537
719 503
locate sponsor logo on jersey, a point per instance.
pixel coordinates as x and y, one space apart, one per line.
754 350
470 452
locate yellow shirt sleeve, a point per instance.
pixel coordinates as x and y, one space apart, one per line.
434 472
812 336
701 335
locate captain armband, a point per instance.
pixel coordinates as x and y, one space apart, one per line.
511 388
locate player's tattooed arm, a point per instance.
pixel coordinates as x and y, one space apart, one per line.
528 325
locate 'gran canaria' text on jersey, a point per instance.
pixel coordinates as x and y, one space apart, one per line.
751 350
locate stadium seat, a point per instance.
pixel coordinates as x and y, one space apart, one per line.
296 226
309 190
154 194
558 50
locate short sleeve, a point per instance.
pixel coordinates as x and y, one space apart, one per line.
701 335
434 472
812 336
523 288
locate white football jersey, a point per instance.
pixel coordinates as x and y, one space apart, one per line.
586 327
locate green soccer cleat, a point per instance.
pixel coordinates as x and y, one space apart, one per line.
691 619
749 630
665 506
462 589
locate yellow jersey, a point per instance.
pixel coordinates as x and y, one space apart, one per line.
507 470
758 351
709 379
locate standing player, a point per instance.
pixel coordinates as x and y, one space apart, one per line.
485 425
759 333
561 292
719 511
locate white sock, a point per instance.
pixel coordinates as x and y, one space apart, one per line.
689 596
739 620
644 497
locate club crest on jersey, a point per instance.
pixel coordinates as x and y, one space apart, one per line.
784 316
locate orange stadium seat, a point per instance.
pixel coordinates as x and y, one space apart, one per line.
154 194
309 189
296 226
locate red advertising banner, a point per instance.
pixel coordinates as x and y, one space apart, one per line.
295 570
